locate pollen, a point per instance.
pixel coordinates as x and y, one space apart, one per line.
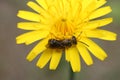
62 29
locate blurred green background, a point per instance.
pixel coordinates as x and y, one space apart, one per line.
14 66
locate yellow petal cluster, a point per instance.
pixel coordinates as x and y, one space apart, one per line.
60 20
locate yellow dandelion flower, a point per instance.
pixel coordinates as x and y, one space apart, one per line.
65 26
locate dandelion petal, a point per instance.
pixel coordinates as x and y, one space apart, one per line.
44 58
67 55
74 59
34 6
42 3
100 12
55 59
37 49
31 37
85 54
31 26
98 23
29 15
101 34
95 49
100 3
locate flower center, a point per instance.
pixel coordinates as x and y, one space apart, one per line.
62 29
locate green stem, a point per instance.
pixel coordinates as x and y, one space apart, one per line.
71 74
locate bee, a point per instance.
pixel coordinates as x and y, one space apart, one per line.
62 44
53 43
69 42
65 43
